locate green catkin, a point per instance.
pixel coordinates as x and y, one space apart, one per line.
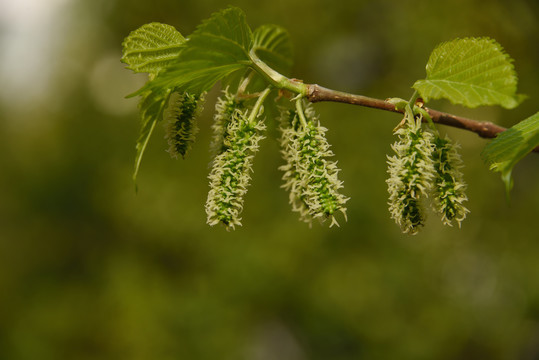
289 126
311 179
232 166
180 116
226 108
411 172
449 186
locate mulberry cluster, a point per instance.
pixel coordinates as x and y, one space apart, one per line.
424 165
226 108
180 121
411 172
309 176
238 130
449 186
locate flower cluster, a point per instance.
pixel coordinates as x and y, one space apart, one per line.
424 165
230 175
181 127
449 187
226 108
411 172
311 179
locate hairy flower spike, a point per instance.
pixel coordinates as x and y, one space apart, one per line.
289 125
230 174
309 176
411 172
181 127
449 189
226 108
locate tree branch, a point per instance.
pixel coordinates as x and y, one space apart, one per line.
485 129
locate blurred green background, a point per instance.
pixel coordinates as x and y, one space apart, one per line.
91 270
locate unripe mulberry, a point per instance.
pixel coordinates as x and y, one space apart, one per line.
231 169
309 176
180 116
411 172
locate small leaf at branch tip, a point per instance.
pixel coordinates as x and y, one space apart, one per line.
273 45
471 72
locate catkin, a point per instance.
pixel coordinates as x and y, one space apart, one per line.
309 176
411 172
449 186
180 121
227 107
232 166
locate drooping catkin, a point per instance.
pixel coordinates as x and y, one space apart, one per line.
232 166
226 108
289 124
180 122
411 172
449 186
309 176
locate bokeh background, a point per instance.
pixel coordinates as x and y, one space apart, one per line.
91 270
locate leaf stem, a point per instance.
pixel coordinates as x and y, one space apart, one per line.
301 114
258 105
426 116
413 99
276 79
245 82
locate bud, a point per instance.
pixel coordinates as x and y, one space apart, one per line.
232 166
309 176
411 172
180 116
449 186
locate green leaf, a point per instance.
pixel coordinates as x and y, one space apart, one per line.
471 72
151 105
511 146
218 47
273 45
151 47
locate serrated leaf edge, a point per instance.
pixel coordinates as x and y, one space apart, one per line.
509 101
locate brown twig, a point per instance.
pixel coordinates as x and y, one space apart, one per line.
485 129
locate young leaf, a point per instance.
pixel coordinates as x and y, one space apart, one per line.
217 48
151 47
151 105
470 72
273 45
511 146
